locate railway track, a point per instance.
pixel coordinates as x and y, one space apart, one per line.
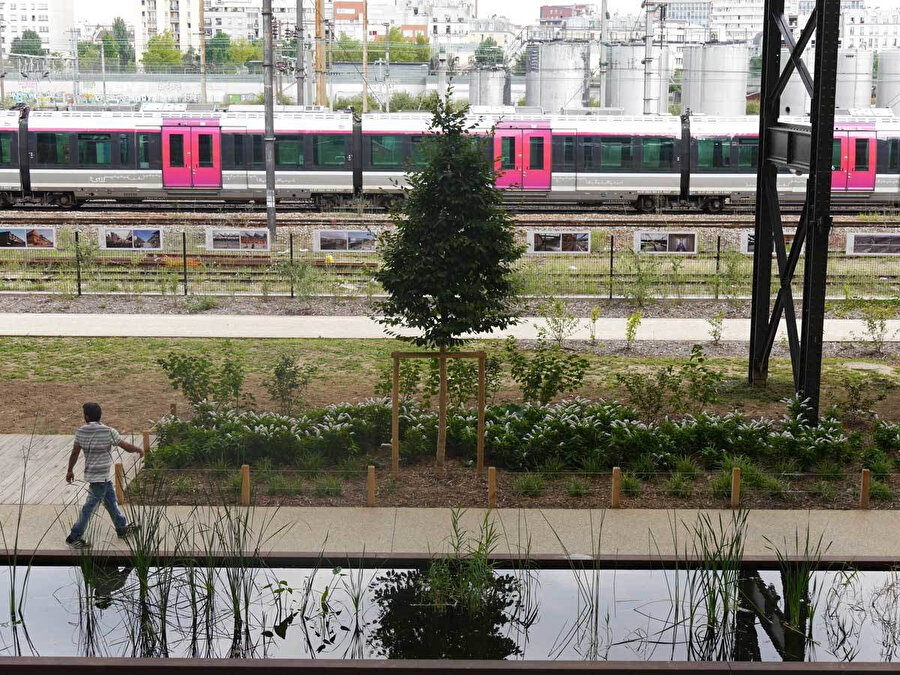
342 219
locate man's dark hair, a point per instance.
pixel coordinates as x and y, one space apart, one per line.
92 412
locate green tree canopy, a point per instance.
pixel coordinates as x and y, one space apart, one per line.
218 49
448 264
403 49
28 43
122 41
489 53
243 51
161 53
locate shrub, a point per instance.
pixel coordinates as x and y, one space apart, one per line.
687 467
201 379
560 322
679 486
576 488
644 467
830 471
715 327
328 486
720 485
856 403
878 463
631 327
201 303
551 371
886 436
875 317
631 485
288 383
880 491
529 485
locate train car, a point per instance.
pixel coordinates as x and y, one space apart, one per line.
328 158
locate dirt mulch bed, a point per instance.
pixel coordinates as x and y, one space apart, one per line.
423 485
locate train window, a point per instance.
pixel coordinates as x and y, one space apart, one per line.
563 153
508 152
589 152
658 153
124 149
329 150
536 153
239 149
94 149
289 152
713 153
5 148
748 149
836 155
176 150
894 154
143 149
205 151
861 162
417 154
386 151
259 156
52 148
616 153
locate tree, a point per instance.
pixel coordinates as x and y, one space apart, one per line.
28 43
218 49
489 53
519 66
162 53
122 41
447 267
243 51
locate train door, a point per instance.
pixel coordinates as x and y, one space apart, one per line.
861 162
176 155
536 160
192 155
508 157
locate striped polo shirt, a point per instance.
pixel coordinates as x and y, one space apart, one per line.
97 442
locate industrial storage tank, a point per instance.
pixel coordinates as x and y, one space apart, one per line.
714 79
555 75
625 81
887 90
795 99
854 79
489 86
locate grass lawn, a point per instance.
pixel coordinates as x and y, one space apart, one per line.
43 381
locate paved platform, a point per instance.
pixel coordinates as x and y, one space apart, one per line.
42 460
196 326
338 531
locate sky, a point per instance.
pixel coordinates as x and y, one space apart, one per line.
521 12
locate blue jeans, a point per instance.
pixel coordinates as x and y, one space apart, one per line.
99 492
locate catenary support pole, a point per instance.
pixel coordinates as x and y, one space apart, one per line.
202 22
103 68
268 96
300 60
321 98
365 55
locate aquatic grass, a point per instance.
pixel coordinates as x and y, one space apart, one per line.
679 486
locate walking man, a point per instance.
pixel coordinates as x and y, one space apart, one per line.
97 441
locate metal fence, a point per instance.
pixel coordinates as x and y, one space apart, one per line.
185 263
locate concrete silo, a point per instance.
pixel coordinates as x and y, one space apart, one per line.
555 75
854 79
625 80
714 79
887 89
795 99
489 86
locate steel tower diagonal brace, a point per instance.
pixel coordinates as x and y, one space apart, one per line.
800 148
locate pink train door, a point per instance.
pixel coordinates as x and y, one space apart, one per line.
861 161
536 160
176 156
206 150
508 157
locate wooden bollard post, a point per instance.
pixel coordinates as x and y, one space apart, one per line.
616 486
735 487
492 487
245 485
146 442
120 482
173 410
370 497
864 483
395 416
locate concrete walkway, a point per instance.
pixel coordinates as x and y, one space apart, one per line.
201 326
342 530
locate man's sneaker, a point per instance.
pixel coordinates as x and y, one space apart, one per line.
127 532
77 543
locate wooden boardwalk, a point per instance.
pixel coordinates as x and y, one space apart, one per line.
42 460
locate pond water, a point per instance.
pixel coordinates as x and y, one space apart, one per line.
453 612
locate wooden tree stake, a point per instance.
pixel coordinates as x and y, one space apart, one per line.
370 479
735 487
120 482
616 486
245 485
479 464
864 484
492 487
173 410
146 442
395 417
442 413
